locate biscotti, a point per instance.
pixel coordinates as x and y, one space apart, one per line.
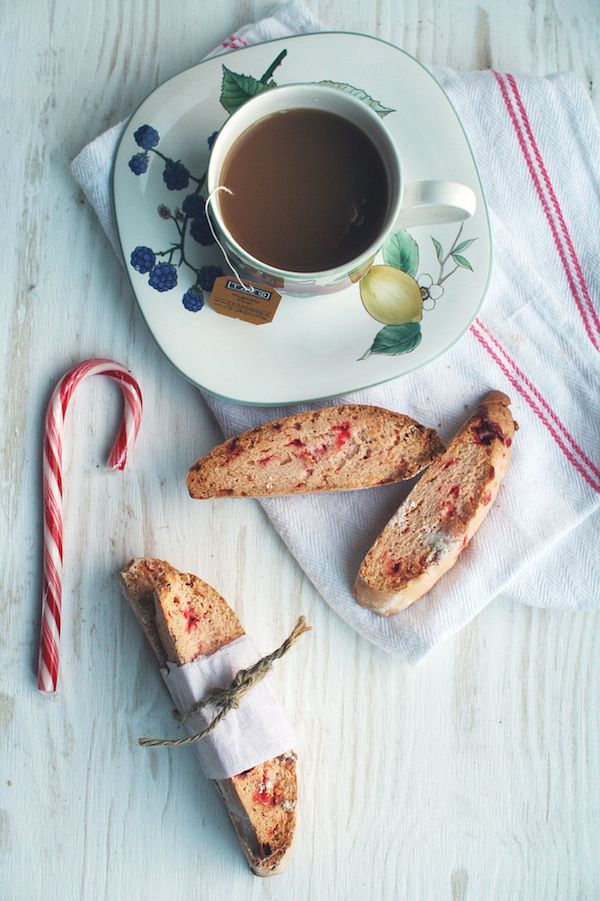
332 449
439 517
182 618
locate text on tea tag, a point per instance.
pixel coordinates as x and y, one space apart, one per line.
230 298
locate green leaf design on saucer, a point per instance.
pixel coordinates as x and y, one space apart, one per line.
464 244
395 339
375 105
461 261
438 250
401 251
236 89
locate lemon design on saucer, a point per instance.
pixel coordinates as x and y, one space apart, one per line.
391 296
394 295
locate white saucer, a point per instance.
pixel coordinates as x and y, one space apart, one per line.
315 347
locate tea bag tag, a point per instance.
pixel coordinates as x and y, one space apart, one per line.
230 297
233 297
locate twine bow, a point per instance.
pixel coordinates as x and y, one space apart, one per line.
229 697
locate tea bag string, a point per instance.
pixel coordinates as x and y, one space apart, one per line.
247 287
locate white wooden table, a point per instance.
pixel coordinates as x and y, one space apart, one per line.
474 776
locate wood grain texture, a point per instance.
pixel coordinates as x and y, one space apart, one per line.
474 776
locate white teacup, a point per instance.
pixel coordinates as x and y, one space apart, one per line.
416 203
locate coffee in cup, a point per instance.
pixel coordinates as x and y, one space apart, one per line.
309 190
305 185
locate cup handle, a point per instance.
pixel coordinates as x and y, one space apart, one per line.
435 202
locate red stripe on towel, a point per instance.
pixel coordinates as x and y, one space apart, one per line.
555 202
519 372
546 207
519 386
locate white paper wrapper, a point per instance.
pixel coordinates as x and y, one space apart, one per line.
254 732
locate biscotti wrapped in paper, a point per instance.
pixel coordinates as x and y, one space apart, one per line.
200 644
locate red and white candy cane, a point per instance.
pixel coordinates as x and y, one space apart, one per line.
48 659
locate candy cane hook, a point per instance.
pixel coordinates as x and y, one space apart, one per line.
52 475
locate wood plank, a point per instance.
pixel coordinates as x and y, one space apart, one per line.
472 776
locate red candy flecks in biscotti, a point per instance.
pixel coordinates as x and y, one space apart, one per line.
425 537
348 447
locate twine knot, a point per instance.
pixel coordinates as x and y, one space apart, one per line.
229 697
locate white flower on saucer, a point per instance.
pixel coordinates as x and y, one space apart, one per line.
430 292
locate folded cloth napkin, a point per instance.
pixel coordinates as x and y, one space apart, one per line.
537 145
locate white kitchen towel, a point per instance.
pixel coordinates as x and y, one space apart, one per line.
537 145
